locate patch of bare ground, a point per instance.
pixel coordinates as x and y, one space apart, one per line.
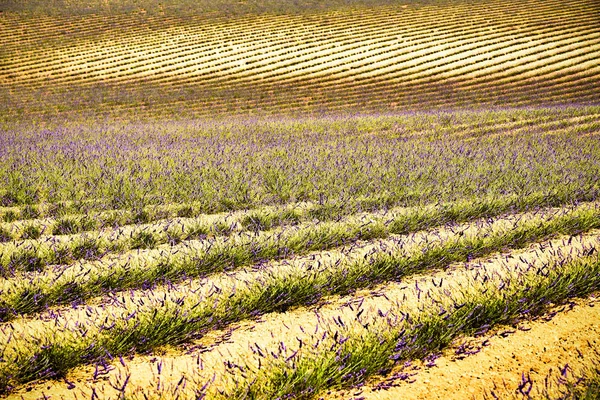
513 362
221 357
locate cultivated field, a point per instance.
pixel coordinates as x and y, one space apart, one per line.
256 58
262 200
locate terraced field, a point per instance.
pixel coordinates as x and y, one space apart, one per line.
276 200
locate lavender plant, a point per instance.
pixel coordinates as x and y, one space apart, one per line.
172 323
225 167
358 353
79 282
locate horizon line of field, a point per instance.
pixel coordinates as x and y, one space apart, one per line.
233 23
553 252
362 20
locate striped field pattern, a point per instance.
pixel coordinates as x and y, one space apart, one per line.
444 55
297 200
286 286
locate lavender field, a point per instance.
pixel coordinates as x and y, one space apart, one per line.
352 200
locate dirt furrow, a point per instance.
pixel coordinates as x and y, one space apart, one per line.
511 363
220 355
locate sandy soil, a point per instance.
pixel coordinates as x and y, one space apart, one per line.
201 360
534 349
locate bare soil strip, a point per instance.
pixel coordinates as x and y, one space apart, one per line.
510 358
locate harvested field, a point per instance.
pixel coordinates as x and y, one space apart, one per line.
244 58
359 199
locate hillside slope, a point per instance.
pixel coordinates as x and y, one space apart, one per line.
367 57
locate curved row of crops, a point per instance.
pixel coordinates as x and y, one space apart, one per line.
448 55
493 214
469 301
296 255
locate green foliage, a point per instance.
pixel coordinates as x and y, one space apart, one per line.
427 333
185 212
143 240
87 249
140 216
222 228
25 259
327 162
57 210
223 255
5 235
10 216
30 212
31 232
65 226
305 186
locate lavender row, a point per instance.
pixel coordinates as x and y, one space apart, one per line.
66 284
172 323
360 351
247 164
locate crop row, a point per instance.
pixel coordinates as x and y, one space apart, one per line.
174 223
279 26
177 52
359 351
387 60
192 259
35 254
571 85
174 320
317 275
245 53
487 63
579 89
